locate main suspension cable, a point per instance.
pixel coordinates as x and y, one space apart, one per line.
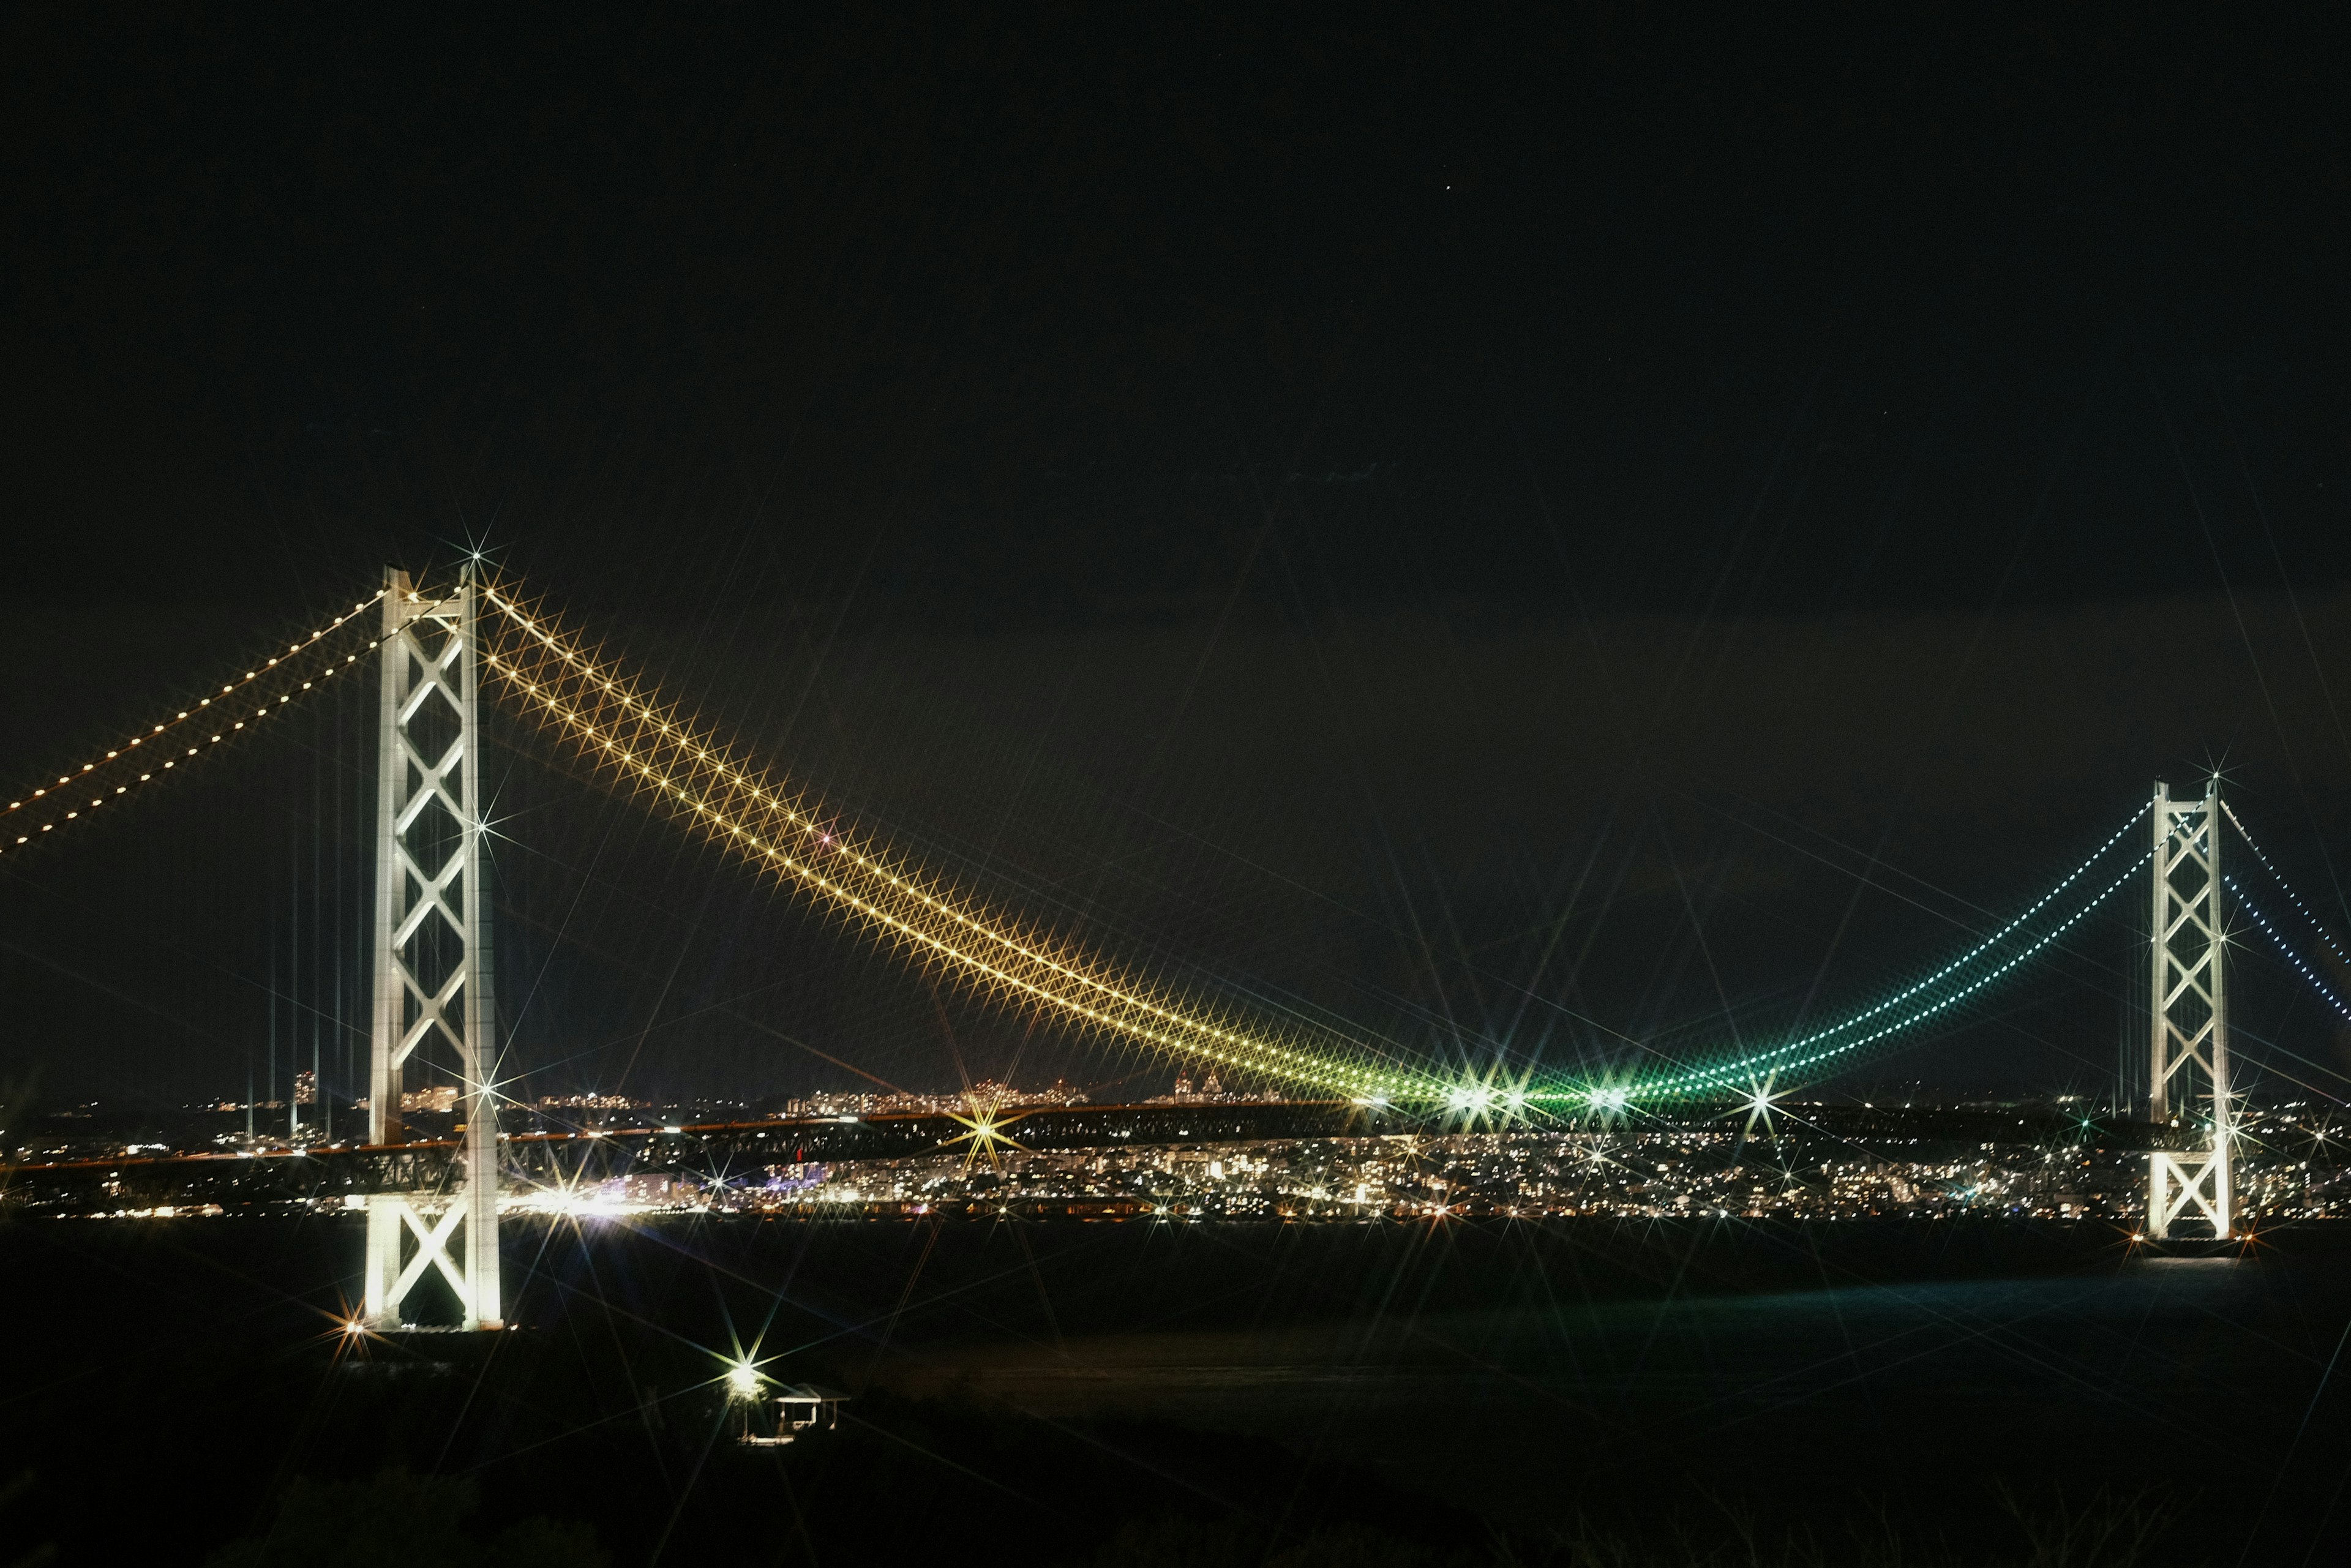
99 775
2293 957
620 724
2278 877
1752 1071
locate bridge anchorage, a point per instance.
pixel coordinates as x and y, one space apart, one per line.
432 952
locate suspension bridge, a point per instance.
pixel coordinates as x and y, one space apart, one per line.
435 653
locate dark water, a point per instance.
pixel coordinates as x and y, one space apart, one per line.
1894 1390
1642 1378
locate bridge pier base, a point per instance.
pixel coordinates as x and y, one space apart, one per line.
392 1269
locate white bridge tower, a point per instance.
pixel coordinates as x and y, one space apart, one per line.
432 953
2189 1008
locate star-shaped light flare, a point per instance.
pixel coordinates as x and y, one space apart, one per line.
987 1122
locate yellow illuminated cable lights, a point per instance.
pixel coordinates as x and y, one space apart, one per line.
170 751
937 928
609 718
147 737
646 741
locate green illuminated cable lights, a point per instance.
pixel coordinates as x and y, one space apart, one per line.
2280 943
1779 1061
2279 877
2307 914
1743 1072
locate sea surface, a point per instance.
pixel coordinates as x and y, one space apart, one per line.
1927 1380
1862 1389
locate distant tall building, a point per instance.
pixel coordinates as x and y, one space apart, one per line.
441 1097
306 1088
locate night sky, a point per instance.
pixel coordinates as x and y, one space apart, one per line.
1537 530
